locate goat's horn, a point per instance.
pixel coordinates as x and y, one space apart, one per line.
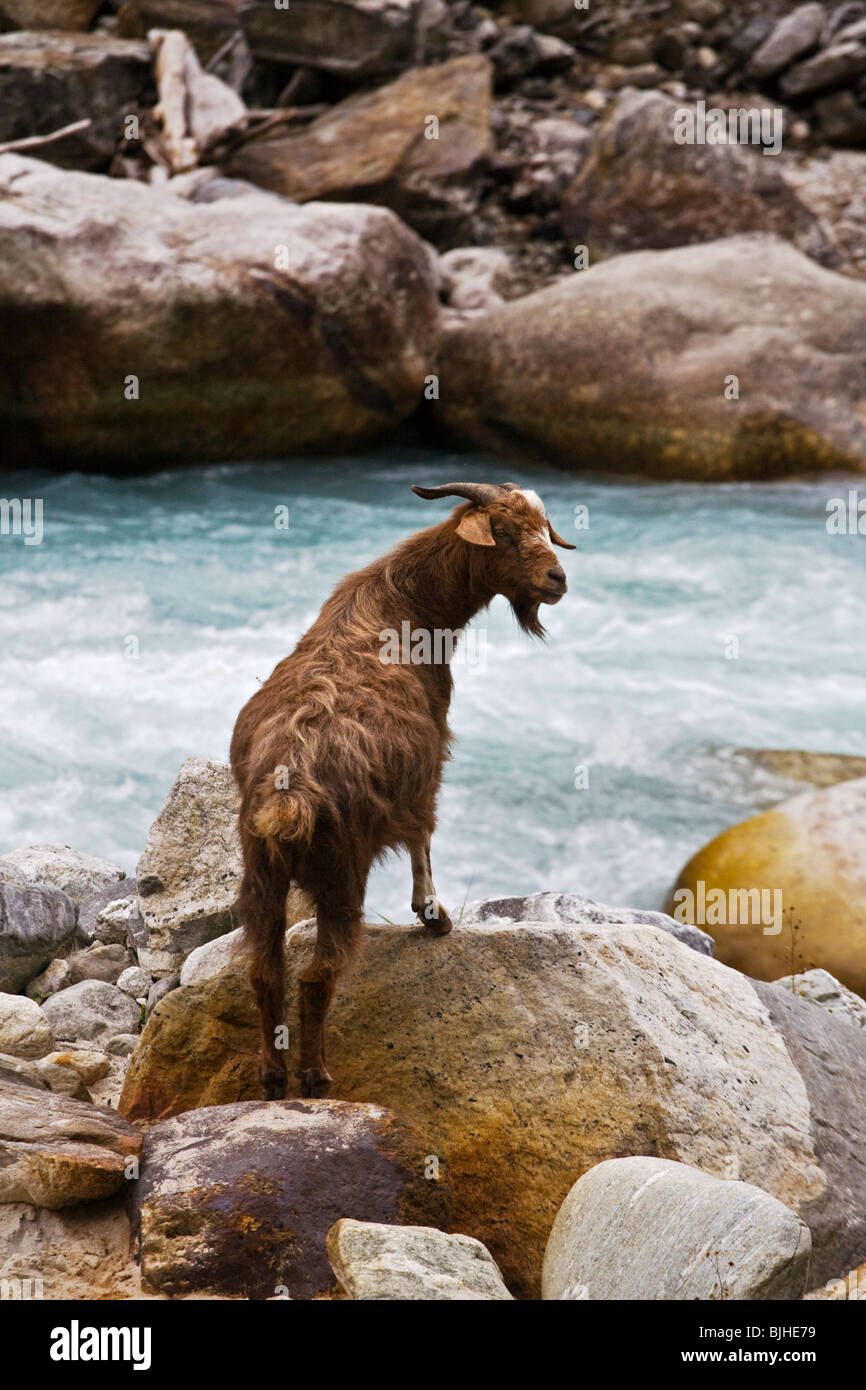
479 493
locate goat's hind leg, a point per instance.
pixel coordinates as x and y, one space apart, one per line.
425 900
262 910
338 934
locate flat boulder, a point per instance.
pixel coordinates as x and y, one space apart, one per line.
239 1199
542 1049
722 368
376 147
56 1151
92 1010
34 924
785 892
377 1263
52 80
324 318
648 1228
572 908
77 875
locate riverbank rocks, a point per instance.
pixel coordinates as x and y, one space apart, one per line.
818 769
380 147
647 1228
570 907
419 1263
91 1010
640 189
807 857
749 316
828 994
24 1029
52 80
240 1198
189 874
543 1049
78 875
55 1151
324 319
34 924
354 39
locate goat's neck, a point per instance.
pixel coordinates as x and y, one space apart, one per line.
437 574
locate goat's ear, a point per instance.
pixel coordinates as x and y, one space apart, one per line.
557 539
475 528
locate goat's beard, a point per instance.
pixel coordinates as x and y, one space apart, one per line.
525 607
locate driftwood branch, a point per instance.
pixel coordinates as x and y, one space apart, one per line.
30 142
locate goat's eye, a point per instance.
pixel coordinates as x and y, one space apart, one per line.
499 533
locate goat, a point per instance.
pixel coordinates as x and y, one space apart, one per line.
339 755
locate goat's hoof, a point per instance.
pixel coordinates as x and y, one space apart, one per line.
273 1084
315 1084
441 924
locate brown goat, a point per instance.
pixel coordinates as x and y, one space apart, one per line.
339 755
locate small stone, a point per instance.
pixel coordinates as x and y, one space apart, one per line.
91 1066
112 921
122 1044
375 1262
159 990
99 962
93 1010
135 982
24 1029
54 977
793 36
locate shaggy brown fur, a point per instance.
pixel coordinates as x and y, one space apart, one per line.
339 755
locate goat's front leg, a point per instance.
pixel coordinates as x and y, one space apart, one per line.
425 900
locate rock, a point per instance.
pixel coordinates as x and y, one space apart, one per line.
336 350
240 1198
819 769
189 874
572 909
50 14
80 1252
55 976
639 188
820 988
195 108
841 118
851 1286
556 150
24 1029
90 1066
135 982
209 23
209 960
92 1010
647 1228
354 39
43 1074
834 187
48 81
418 1263
376 147
471 275
794 35
835 66
159 990
521 52
807 857
34 924
55 1151
122 1045
541 1049
77 875
99 962
683 326
105 916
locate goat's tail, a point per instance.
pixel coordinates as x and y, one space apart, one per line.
287 817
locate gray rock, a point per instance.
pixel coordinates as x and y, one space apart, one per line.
56 1151
835 66
571 908
122 1045
794 35
77 875
648 1228
353 38
92 1010
44 1074
105 915
51 80
821 988
25 1031
159 990
55 976
418 1263
34 924
99 962
135 982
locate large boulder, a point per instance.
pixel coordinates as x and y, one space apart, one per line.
380 147
48 81
740 358
647 1228
55 1151
34 923
78 875
24 1029
354 39
92 1010
323 318
639 189
571 907
805 860
240 1198
529 1052
397 1263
